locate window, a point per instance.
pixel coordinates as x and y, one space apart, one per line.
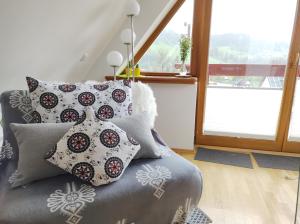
164 54
253 48
247 60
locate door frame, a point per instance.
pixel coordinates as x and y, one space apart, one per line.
200 54
293 66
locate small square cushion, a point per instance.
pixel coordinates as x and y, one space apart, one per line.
55 102
138 126
95 151
34 141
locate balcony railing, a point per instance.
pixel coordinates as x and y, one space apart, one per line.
243 69
247 102
247 70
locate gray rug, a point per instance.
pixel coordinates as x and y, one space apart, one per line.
277 162
197 216
224 157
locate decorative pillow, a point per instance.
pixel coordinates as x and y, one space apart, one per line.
16 108
34 141
56 102
144 101
138 126
95 151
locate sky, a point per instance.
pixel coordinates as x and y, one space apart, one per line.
261 19
184 14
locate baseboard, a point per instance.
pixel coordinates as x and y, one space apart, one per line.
247 150
183 151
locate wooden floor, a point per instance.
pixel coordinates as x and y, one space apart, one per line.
236 195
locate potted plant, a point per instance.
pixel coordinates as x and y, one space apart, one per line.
185 46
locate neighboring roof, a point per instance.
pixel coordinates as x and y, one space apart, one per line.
275 81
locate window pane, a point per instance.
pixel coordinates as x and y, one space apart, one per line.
249 46
164 53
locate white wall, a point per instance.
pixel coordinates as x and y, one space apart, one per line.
47 38
176 113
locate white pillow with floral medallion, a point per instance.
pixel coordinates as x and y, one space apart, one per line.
95 151
55 102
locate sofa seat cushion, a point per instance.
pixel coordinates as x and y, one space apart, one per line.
150 191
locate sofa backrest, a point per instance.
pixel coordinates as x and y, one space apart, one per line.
16 108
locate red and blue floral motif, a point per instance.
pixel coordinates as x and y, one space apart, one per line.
32 84
69 115
105 112
81 118
78 142
48 100
114 167
109 138
86 99
36 117
127 82
101 87
119 95
84 171
67 88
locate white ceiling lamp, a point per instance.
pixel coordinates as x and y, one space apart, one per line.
114 59
132 9
126 36
126 39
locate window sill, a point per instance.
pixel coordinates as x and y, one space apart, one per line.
160 79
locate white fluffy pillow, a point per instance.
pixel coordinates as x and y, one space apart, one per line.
143 100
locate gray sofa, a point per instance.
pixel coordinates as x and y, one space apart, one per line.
160 191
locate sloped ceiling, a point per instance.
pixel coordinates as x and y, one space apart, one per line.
144 25
64 40
47 38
